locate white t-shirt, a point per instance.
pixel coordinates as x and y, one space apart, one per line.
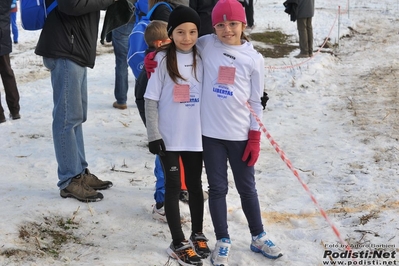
224 114
178 122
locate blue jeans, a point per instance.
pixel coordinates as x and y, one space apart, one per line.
159 194
120 42
69 82
14 27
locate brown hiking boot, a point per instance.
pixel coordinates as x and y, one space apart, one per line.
94 182
121 106
79 190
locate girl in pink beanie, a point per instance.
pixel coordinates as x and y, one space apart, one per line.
233 76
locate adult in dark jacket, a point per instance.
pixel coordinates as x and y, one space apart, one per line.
204 10
68 45
305 29
6 72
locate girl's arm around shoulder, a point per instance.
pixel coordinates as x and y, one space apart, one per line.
205 40
81 7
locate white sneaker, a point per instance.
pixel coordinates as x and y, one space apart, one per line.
262 244
220 255
159 214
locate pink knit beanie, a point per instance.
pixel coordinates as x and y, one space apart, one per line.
228 10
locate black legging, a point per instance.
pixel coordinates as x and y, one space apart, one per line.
192 162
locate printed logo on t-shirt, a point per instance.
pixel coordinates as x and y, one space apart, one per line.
222 91
194 96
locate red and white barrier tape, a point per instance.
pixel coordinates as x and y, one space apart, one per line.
289 164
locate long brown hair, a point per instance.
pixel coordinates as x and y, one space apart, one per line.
243 35
171 61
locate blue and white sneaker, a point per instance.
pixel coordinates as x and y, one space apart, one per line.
220 255
262 244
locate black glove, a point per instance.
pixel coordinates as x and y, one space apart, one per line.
157 147
264 100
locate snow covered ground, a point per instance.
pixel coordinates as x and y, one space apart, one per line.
335 116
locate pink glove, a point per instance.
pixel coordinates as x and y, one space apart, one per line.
150 64
252 149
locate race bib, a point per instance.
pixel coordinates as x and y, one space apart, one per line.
226 75
181 93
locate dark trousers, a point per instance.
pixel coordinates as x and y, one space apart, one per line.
305 31
10 85
192 162
216 154
249 11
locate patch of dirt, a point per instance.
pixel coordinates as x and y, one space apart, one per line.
272 44
43 239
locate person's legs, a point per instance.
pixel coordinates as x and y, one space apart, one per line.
303 36
192 162
69 82
120 39
244 178
183 193
14 27
180 248
215 159
159 194
193 170
309 30
249 12
170 163
10 86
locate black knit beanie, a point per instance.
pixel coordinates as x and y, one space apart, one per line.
180 15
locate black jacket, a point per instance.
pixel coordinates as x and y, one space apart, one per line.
119 13
5 34
71 31
204 10
291 8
